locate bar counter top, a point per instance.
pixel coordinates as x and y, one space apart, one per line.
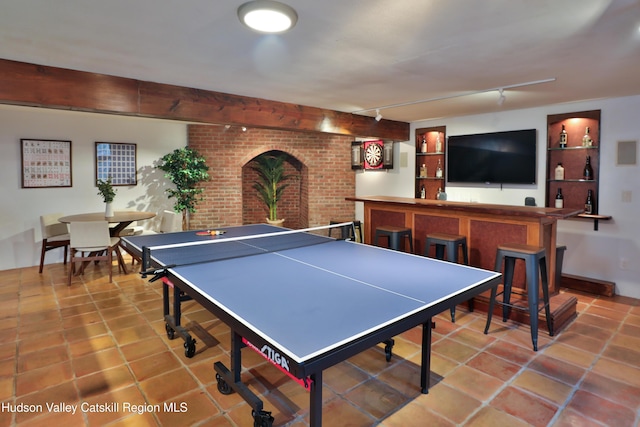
478 208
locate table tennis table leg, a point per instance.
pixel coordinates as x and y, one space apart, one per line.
230 381
315 400
425 370
172 323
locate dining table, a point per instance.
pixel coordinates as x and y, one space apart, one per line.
121 219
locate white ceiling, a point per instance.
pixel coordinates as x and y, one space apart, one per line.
347 55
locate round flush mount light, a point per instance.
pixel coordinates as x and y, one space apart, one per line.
267 16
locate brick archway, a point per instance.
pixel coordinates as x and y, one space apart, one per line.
323 160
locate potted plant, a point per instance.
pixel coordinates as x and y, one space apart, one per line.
270 183
186 168
106 190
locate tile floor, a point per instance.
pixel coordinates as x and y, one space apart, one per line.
103 345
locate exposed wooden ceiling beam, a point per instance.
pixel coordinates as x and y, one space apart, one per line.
50 87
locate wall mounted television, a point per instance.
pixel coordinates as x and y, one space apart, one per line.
492 158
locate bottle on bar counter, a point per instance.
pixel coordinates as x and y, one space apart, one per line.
559 172
586 139
587 173
563 138
590 203
559 199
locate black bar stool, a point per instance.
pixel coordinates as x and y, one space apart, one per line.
449 244
536 272
395 235
348 231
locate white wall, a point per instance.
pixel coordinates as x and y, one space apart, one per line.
613 252
20 210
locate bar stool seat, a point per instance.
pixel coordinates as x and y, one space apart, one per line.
449 244
536 272
395 236
348 232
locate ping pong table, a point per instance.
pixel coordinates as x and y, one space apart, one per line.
303 301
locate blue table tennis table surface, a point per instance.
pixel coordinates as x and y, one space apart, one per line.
312 299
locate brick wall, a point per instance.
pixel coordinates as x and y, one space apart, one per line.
319 162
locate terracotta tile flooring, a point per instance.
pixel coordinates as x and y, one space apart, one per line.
104 345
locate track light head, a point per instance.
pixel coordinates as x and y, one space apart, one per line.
501 98
378 115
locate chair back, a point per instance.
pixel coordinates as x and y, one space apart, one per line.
170 222
90 234
51 227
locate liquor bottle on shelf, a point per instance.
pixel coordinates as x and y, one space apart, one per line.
559 199
441 195
563 138
423 171
587 173
423 146
559 172
586 139
438 144
590 203
439 169
423 193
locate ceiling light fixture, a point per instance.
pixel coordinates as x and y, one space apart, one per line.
267 16
378 115
501 98
442 98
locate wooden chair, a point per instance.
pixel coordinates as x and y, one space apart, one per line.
54 235
90 241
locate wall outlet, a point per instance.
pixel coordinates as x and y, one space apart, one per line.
624 263
626 196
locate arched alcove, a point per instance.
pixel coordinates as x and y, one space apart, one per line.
294 204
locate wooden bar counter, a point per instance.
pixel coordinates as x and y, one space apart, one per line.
485 226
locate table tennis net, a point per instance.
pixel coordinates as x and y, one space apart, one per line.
222 248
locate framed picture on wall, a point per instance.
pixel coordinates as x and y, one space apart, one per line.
116 160
46 163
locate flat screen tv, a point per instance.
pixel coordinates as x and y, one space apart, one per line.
492 158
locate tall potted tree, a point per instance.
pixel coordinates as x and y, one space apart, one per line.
270 183
186 168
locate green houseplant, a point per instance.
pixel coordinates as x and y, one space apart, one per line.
271 182
106 190
186 168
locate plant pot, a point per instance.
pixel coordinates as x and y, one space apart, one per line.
276 222
108 210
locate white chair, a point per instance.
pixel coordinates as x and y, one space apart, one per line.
90 241
170 222
54 235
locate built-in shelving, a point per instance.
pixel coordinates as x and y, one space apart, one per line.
434 138
573 156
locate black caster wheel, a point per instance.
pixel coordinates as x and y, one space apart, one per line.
171 334
190 348
388 349
262 419
223 387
